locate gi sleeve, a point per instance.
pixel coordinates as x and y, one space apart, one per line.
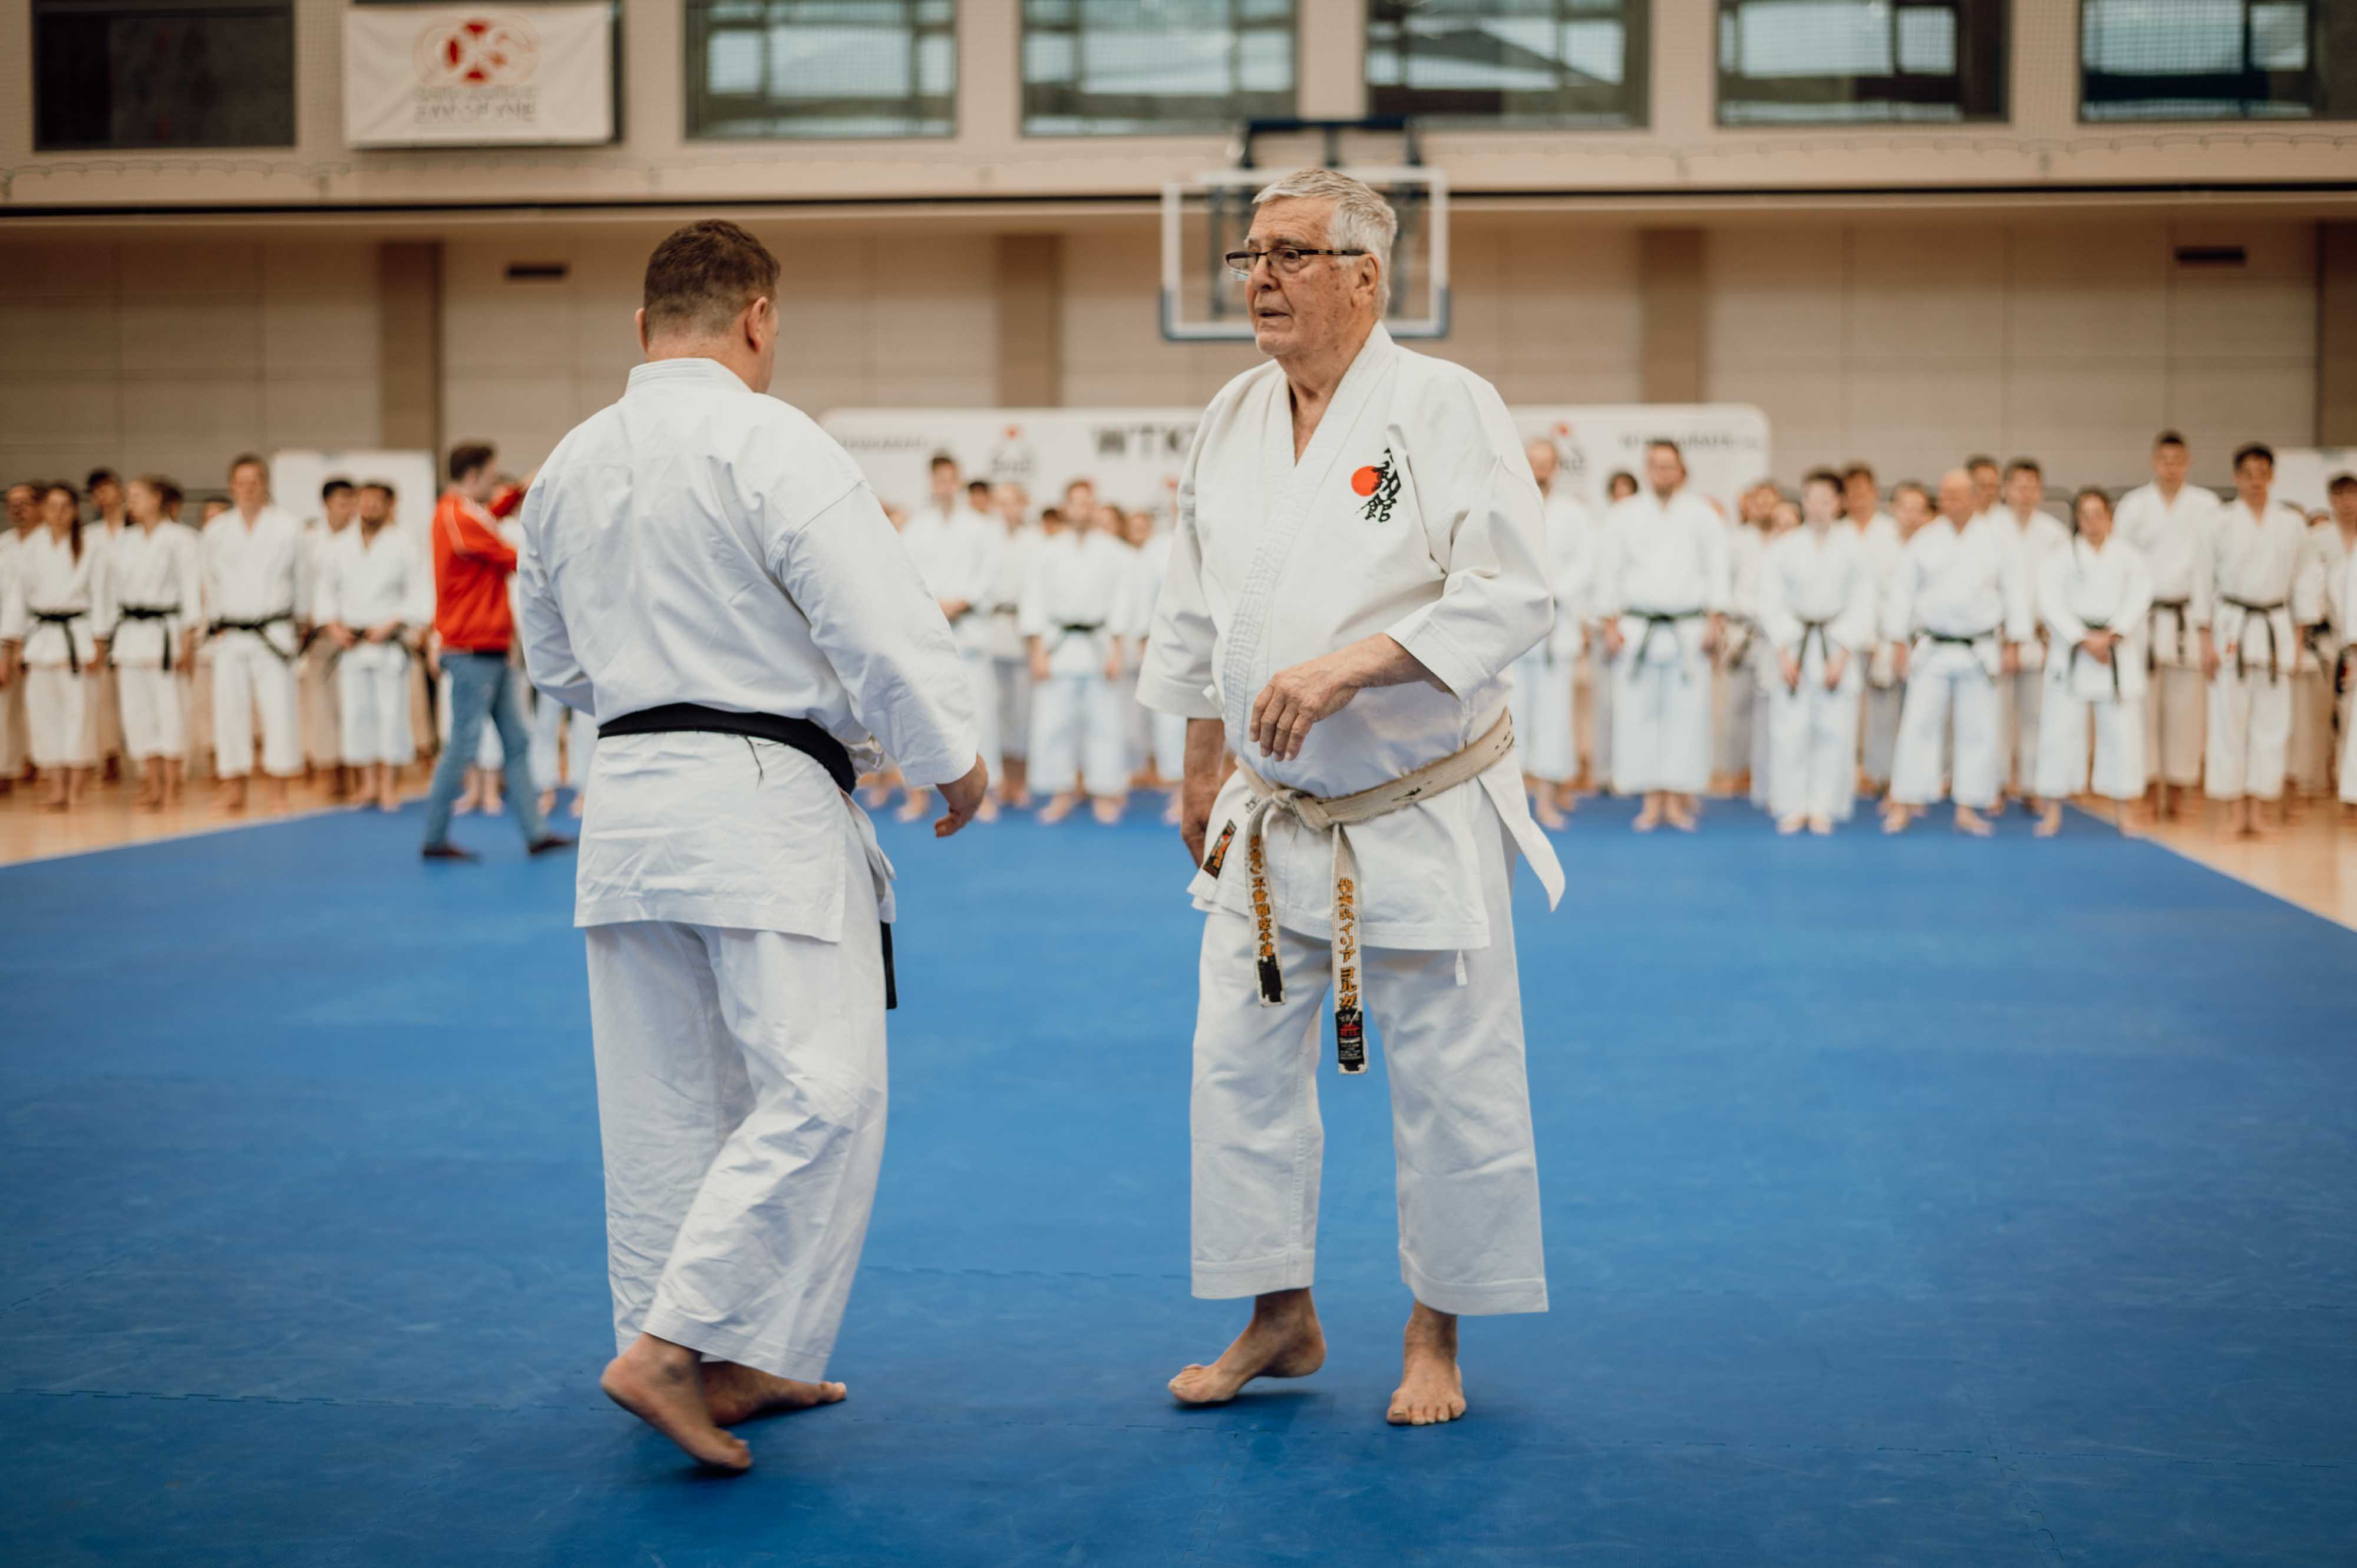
2309 591
1497 600
102 595
2062 622
2014 588
1571 559
326 586
189 574
2206 567
1898 599
2135 594
883 633
13 615
1177 674
1854 625
549 660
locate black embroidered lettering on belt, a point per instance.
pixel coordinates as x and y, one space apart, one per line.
1349 1019
1218 856
1272 973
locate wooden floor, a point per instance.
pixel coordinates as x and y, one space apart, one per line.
2312 863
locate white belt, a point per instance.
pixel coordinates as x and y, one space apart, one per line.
1335 816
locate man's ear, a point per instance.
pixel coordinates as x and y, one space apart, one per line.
638 321
760 323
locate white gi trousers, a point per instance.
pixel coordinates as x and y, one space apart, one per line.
2176 702
1541 701
1942 678
248 675
15 742
2349 740
2307 763
1013 706
2250 734
1168 732
2018 698
550 719
741 1099
1468 1181
103 714
1077 738
58 715
1596 679
1661 718
2063 724
982 680
318 692
1813 742
1879 737
373 705
1736 736
153 722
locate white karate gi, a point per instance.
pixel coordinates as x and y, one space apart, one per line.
1544 694
2020 695
2256 582
1817 593
1010 660
2314 697
1957 600
1165 733
103 712
1661 572
695 543
1412 514
957 553
317 683
1885 693
1070 602
2082 590
366 581
157 582
552 721
253 574
2344 599
12 746
1738 683
57 612
2172 535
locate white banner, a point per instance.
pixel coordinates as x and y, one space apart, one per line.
1135 454
2302 472
418 76
295 476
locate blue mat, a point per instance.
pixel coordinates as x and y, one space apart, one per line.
1925 1202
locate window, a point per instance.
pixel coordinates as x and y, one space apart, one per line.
162 73
821 68
1508 62
2213 59
1153 66
1816 62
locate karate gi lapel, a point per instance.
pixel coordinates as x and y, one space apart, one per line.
1296 490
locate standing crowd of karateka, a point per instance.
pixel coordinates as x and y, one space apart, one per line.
1956 641
247 640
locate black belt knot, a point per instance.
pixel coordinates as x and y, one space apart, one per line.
148 612
63 621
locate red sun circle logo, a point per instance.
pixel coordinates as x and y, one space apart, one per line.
477 52
1365 480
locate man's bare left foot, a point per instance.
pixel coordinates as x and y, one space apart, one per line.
1971 821
1283 1340
1432 1388
659 1383
735 1394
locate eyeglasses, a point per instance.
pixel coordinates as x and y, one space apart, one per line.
1288 259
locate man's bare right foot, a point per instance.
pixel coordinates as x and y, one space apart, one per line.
662 1384
735 1394
1281 1341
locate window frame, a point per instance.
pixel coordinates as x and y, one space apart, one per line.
693 94
1637 70
37 11
2002 49
2315 102
1022 117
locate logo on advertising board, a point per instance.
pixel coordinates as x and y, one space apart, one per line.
419 76
475 70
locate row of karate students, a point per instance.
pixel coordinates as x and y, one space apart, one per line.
131 634
1961 647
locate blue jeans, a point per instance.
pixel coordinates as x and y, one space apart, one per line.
480 688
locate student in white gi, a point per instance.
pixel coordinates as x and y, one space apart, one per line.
2255 583
2095 594
156 586
314 679
2169 522
2315 697
1070 604
24 518
1166 734
956 548
375 599
1960 612
1361 556
1879 531
254 589
1595 678
1738 687
2341 491
103 716
1010 658
1817 607
2037 534
1543 695
1661 595
708 573
57 618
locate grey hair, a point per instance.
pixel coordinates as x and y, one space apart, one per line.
1362 220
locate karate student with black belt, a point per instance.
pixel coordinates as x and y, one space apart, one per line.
158 588
1069 613
709 574
55 620
2254 585
253 572
2095 594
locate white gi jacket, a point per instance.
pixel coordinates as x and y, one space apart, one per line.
2040 538
1411 513
961 562
1148 566
255 573
2081 588
367 581
1073 598
1817 593
2172 535
1965 584
1663 558
50 581
2329 556
1886 552
2255 585
1015 551
696 543
154 571
1571 550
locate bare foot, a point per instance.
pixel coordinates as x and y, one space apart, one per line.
1056 809
1106 811
1822 826
1171 811
2050 822
1792 824
1649 818
580 802
1681 816
1548 813
916 808
659 1383
548 803
1895 820
735 1394
1283 1340
1971 821
1431 1389
987 811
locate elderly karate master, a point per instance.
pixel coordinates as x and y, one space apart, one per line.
1360 557
707 573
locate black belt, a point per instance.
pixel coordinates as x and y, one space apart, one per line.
150 612
260 629
1080 628
2178 607
2080 646
1973 642
802 735
1654 620
2266 614
1815 628
63 621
